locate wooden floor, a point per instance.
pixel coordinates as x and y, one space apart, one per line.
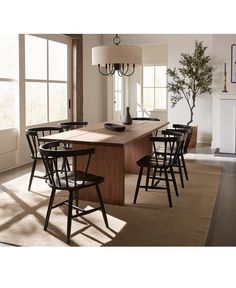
222 230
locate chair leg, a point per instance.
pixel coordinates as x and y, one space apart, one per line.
49 208
102 206
138 184
154 175
174 181
147 178
184 166
77 201
180 173
32 173
69 216
168 188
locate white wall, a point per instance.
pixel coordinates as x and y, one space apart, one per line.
221 54
94 96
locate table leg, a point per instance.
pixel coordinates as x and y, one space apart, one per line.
108 161
134 151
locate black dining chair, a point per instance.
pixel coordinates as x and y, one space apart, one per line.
180 162
66 126
71 181
158 151
162 163
188 130
33 135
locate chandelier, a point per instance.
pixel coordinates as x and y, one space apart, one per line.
120 58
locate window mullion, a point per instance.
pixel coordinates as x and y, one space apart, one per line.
48 80
43 81
154 76
8 80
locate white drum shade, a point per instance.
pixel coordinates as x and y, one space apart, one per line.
116 54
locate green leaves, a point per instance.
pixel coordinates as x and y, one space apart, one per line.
193 77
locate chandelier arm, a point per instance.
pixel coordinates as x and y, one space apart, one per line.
102 72
127 69
112 70
131 73
124 69
120 71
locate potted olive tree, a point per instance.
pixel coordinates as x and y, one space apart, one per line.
193 77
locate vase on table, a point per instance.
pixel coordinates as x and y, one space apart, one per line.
127 118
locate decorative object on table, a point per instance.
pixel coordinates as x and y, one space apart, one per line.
114 127
225 79
120 58
127 118
233 63
194 77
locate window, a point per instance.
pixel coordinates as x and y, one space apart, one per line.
118 92
154 92
41 82
8 80
45 80
35 89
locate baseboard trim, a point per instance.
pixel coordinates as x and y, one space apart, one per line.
218 153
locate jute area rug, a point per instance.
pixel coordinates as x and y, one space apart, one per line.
148 223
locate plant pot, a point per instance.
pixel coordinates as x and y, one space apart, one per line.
193 140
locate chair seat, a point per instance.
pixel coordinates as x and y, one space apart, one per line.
69 183
36 156
150 161
160 154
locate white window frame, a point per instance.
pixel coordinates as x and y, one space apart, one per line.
142 96
59 39
121 90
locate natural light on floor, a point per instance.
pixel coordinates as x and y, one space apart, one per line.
23 213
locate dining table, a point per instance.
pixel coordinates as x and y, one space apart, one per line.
116 153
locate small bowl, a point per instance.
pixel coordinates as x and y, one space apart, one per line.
114 127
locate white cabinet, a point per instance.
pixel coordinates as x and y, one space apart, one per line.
224 122
227 126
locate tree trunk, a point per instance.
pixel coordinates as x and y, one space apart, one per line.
191 116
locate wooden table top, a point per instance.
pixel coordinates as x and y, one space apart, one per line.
98 134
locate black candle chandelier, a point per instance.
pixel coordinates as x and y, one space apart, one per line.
117 58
